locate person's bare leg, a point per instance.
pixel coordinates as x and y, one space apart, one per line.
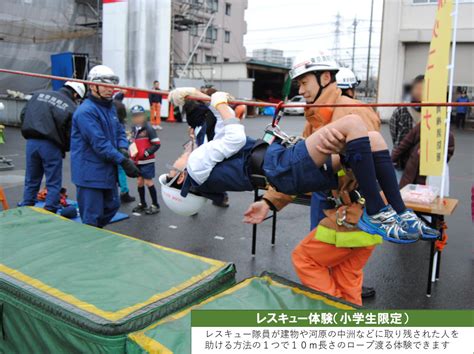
358 155
351 127
377 142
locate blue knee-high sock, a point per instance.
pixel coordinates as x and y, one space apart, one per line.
388 180
360 160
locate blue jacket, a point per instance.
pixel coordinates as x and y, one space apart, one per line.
462 109
95 137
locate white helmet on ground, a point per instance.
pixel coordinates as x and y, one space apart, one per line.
185 206
346 79
313 62
104 74
78 87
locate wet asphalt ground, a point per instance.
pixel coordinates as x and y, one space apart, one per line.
398 272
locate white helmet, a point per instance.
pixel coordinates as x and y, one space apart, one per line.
104 74
185 206
313 61
78 87
346 79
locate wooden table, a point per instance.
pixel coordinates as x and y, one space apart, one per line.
436 211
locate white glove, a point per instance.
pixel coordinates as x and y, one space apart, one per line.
177 96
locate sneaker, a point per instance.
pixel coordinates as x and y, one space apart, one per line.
414 224
126 198
387 224
140 208
152 210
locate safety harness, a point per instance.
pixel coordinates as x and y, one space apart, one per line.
273 135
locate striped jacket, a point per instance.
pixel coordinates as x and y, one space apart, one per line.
147 142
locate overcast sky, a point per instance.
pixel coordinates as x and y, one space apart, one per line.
296 25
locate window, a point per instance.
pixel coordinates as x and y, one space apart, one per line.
228 8
213 5
227 36
193 30
211 59
226 60
211 34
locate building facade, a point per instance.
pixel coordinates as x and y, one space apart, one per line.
207 32
271 56
406 34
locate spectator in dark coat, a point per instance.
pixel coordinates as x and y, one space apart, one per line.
405 118
125 196
120 108
407 157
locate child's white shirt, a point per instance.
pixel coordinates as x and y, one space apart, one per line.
208 155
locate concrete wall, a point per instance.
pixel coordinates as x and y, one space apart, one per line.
406 34
225 71
242 88
239 88
10 115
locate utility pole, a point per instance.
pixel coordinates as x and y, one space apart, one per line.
368 54
337 33
354 26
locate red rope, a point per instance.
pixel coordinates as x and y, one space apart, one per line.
244 102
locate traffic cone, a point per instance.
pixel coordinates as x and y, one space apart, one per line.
171 118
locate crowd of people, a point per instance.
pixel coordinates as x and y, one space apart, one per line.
92 128
341 158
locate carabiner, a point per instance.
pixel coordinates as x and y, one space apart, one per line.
360 198
341 220
278 114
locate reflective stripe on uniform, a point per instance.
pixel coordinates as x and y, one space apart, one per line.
346 239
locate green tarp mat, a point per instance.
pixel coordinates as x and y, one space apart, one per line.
92 283
268 292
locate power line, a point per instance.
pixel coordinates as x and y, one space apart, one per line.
300 37
271 29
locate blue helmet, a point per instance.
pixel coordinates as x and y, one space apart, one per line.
137 109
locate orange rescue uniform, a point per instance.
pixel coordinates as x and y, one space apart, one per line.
322 260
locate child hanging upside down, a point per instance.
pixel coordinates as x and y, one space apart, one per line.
235 162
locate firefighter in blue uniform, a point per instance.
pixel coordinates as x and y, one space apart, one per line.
46 124
98 146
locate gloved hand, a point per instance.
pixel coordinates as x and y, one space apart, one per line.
219 97
131 170
177 96
124 152
147 153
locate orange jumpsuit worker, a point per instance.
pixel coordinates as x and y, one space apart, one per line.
332 257
155 107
